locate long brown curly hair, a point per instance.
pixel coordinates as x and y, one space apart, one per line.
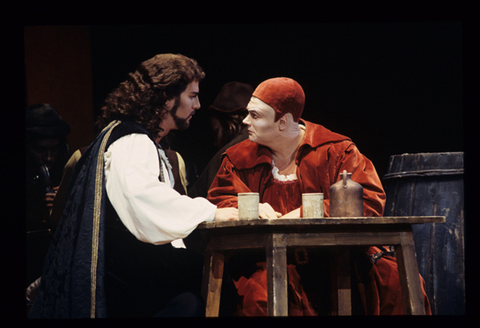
142 96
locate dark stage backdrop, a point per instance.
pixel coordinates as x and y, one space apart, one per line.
392 87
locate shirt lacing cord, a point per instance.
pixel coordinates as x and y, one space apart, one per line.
169 179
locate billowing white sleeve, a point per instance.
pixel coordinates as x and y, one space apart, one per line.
150 209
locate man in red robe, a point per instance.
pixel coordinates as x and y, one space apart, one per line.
284 157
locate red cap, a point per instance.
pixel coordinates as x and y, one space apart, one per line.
284 95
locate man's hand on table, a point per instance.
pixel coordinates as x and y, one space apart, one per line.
295 214
265 211
226 214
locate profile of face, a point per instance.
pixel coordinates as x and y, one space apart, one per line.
182 109
262 128
46 151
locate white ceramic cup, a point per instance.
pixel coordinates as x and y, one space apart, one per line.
312 205
248 205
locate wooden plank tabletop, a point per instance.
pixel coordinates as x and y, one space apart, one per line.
325 221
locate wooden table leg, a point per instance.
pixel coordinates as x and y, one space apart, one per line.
341 284
277 279
409 276
212 281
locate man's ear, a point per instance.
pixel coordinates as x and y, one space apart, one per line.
283 122
169 103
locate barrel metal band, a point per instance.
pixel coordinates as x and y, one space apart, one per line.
432 172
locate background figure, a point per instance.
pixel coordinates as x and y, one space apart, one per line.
58 203
226 115
228 111
47 152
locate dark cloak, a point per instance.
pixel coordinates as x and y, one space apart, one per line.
72 284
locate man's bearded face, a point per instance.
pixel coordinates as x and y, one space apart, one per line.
185 106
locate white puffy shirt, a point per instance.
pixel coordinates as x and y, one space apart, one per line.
150 209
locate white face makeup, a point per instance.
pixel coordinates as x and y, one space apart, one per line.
260 121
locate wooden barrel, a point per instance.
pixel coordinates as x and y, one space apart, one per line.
424 184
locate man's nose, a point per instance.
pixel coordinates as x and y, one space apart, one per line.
49 157
196 104
246 120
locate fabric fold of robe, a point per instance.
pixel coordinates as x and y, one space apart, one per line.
253 294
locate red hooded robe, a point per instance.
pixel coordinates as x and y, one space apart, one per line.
322 156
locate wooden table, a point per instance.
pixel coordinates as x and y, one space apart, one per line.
276 235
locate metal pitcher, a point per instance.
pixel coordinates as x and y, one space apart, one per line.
346 197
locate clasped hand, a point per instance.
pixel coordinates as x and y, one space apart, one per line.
266 211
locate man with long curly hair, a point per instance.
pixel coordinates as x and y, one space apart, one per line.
118 248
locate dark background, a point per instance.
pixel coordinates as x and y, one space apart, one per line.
393 87
390 76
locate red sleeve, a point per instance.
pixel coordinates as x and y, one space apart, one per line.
226 186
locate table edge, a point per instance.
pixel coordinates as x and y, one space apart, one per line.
325 221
